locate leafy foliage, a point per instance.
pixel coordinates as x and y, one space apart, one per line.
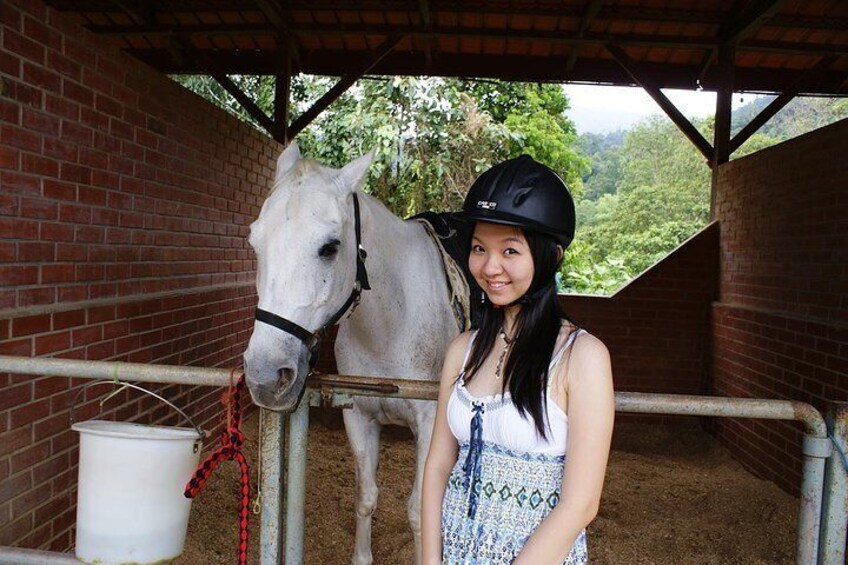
639 193
656 197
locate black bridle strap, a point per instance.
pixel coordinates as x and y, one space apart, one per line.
304 335
361 273
297 331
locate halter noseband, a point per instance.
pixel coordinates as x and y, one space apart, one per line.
312 339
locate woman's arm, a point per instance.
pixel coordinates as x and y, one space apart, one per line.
591 409
440 458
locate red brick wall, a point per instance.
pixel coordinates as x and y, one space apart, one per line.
779 327
657 327
124 207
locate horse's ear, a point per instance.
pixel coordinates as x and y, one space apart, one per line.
287 159
353 174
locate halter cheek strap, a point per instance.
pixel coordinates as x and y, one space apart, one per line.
286 325
311 339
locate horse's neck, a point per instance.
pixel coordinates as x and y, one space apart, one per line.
395 247
408 296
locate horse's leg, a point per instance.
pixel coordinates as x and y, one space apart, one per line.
363 433
422 426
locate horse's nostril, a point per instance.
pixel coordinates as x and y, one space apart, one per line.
284 377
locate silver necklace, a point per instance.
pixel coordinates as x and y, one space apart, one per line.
509 341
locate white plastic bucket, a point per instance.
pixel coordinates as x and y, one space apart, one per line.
130 505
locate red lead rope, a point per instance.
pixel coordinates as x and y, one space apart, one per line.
232 439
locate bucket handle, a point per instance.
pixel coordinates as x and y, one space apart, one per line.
122 385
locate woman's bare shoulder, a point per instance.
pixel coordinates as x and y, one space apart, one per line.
588 349
456 353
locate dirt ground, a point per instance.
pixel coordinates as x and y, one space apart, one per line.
672 496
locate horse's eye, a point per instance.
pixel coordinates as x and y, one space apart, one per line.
329 249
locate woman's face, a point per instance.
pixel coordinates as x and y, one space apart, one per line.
501 262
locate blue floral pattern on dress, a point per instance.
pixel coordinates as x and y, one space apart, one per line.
514 493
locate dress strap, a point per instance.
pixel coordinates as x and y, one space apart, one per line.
559 353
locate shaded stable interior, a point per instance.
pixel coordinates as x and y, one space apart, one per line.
125 200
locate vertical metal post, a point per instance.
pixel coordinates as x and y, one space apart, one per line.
835 511
816 450
296 483
272 434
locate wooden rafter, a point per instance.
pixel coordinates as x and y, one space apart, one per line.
344 83
249 105
424 13
181 47
738 25
610 12
643 40
282 87
507 67
724 106
760 120
667 106
141 12
275 14
752 20
585 23
775 106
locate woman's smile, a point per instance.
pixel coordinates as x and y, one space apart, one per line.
501 262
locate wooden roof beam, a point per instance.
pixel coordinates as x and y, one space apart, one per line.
627 13
181 48
751 21
275 14
738 25
141 12
344 83
249 105
644 40
585 23
723 112
424 14
776 105
667 106
282 94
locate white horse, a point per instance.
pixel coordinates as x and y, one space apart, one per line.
305 241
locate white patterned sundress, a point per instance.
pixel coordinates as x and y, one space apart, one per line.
497 495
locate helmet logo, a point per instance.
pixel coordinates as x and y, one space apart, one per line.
487 204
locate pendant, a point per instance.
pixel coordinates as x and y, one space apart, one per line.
499 366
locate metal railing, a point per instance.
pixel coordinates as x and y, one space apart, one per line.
823 515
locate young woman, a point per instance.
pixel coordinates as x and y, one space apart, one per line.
519 393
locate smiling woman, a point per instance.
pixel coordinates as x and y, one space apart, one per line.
519 392
500 262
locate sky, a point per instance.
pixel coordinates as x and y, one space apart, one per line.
599 109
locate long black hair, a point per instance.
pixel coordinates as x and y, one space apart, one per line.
535 332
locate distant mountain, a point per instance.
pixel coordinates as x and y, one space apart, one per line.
800 116
591 121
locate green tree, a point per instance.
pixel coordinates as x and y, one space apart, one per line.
661 198
431 136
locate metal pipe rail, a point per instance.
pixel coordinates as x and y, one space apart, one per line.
338 390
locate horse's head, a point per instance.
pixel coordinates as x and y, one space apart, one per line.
306 253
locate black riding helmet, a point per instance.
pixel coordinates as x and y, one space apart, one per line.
524 193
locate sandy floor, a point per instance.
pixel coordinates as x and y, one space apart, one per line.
673 496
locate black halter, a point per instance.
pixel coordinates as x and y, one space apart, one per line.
312 339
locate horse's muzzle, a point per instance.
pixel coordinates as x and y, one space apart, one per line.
276 386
